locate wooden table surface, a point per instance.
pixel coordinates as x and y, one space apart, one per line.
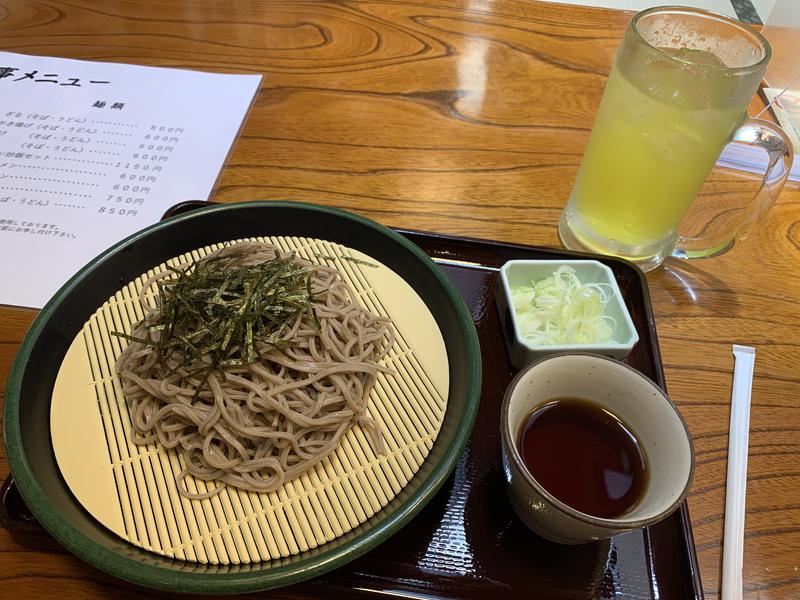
470 118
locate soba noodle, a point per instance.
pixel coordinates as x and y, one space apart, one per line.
255 426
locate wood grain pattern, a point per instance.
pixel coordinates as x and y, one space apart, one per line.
464 118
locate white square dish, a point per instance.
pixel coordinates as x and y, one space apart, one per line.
522 351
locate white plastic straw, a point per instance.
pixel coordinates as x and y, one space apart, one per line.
733 538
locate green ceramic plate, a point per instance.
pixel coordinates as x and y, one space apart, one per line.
27 401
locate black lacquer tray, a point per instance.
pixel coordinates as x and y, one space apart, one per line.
467 542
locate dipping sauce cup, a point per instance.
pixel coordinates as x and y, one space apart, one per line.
638 402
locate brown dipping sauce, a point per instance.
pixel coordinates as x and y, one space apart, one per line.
585 456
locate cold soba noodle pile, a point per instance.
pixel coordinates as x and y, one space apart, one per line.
252 363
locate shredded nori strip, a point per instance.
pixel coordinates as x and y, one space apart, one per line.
351 259
229 313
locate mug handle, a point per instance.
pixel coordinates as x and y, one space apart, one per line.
770 137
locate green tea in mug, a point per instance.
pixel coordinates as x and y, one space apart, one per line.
676 95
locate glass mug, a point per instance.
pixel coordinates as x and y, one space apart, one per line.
677 93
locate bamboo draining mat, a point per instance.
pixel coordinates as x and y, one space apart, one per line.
132 490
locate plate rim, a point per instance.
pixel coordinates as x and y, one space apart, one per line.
258 579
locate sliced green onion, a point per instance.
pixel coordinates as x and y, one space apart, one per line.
561 310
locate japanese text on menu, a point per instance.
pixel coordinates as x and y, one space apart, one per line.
92 152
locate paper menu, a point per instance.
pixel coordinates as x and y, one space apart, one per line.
755 159
787 110
91 152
